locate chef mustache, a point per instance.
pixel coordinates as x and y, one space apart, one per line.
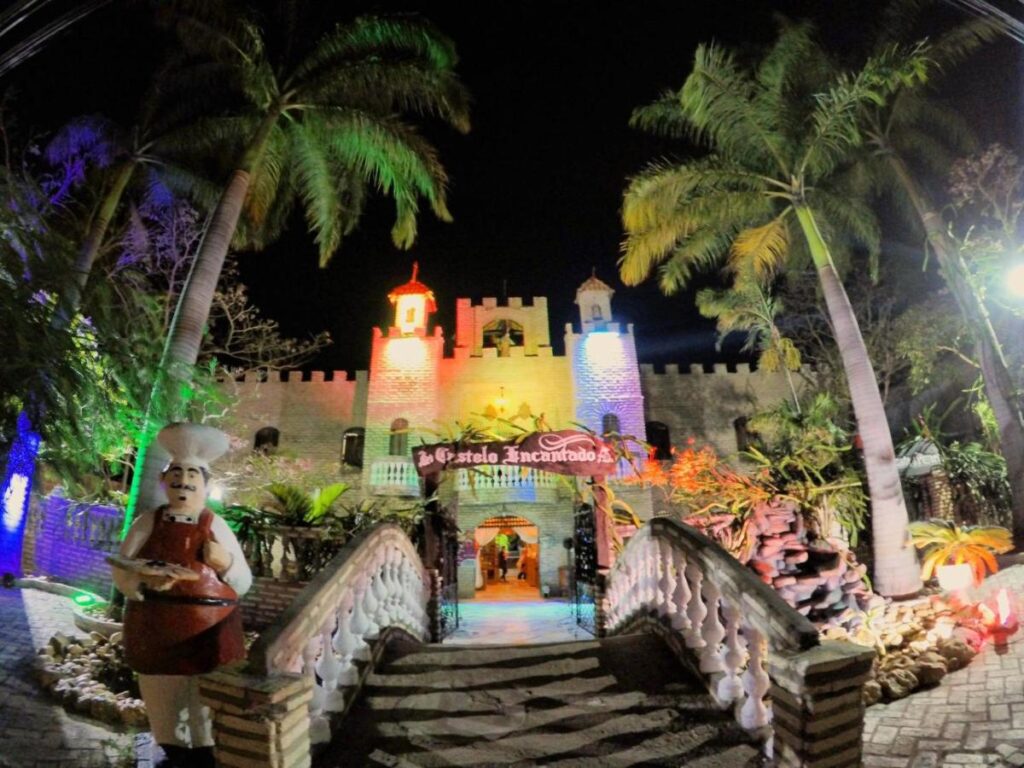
185 486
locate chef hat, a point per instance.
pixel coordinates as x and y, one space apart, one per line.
194 444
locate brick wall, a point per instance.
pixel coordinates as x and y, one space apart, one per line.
311 411
704 405
266 600
606 379
68 541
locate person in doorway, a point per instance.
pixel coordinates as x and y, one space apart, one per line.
502 563
184 621
524 564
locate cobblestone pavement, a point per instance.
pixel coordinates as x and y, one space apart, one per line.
34 731
974 717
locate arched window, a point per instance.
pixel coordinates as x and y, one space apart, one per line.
398 445
610 423
744 436
660 439
352 447
266 440
595 312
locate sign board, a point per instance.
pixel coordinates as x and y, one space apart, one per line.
565 452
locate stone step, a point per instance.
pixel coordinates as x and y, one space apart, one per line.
617 702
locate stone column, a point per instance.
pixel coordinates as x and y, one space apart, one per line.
818 715
258 721
434 605
600 604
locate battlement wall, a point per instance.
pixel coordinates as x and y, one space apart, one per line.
310 410
705 404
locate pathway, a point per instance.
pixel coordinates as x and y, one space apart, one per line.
512 619
609 704
974 717
34 731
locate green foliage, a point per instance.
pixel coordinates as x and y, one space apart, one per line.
946 543
808 458
774 140
322 120
296 507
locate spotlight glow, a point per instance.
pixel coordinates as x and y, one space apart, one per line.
1015 280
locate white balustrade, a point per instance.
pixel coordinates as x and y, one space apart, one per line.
654 575
394 476
382 584
489 477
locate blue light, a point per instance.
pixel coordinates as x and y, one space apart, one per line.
14 494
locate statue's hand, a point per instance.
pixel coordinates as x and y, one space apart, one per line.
216 556
159 583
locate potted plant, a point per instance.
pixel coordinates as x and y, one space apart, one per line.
302 521
958 555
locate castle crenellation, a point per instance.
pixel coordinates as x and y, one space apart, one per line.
502 367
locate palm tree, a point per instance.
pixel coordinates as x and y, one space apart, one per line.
747 305
316 124
761 197
910 136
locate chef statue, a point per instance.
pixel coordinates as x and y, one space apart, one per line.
182 572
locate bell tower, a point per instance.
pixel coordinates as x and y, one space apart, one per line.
413 302
594 298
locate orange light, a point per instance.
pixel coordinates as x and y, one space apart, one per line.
410 352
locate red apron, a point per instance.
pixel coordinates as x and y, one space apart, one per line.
195 626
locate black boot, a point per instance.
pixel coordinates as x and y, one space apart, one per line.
174 757
202 757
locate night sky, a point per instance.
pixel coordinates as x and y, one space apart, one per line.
536 185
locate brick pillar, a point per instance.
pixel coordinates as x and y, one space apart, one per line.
434 605
600 604
818 715
258 722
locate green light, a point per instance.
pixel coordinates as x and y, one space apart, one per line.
84 599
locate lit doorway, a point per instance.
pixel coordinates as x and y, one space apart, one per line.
508 559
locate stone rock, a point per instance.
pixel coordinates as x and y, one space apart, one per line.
132 713
930 668
898 683
957 653
60 643
871 693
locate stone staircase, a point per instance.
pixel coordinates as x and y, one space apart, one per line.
624 701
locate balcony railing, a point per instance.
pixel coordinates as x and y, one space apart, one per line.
394 476
489 483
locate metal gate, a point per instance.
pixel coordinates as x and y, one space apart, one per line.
449 567
584 572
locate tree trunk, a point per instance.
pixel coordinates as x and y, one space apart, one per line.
174 379
896 569
995 373
71 297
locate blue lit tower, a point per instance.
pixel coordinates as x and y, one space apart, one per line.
605 375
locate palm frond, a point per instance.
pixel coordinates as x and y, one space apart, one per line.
318 189
385 87
700 251
384 37
396 159
835 120
664 117
764 247
718 98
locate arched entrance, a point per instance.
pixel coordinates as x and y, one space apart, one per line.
516 541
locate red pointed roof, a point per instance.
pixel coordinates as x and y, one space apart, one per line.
414 287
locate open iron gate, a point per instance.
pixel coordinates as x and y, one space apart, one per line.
584 572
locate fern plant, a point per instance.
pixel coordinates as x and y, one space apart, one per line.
946 543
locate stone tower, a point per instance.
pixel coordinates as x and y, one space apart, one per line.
605 376
403 386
